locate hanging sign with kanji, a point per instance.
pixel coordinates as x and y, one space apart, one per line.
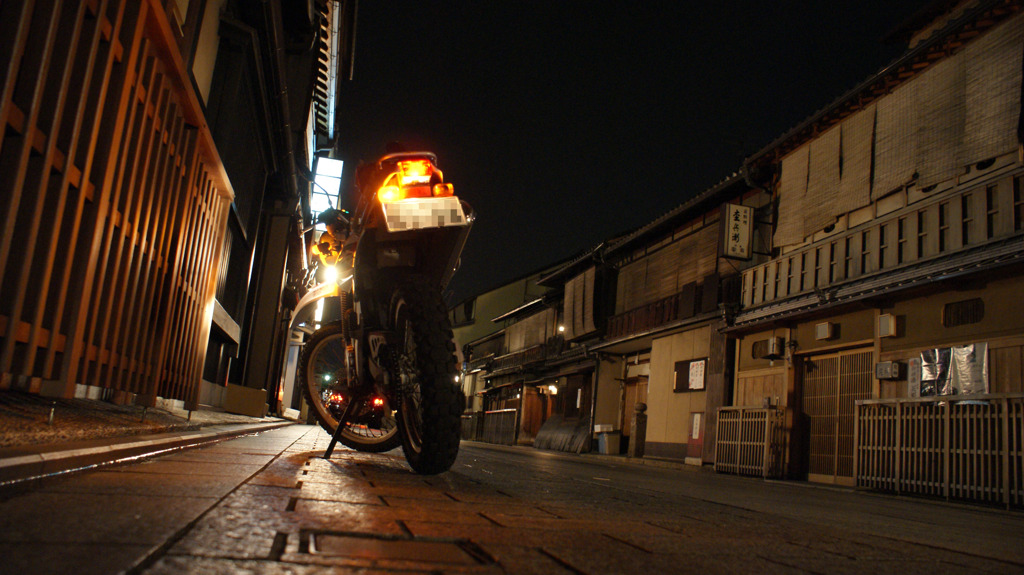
738 225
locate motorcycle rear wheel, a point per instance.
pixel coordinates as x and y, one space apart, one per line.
322 369
430 403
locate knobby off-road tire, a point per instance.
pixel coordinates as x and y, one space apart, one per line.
430 402
322 366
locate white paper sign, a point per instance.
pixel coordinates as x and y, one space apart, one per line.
914 377
697 374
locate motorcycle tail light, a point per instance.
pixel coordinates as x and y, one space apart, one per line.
389 194
412 172
336 398
412 180
378 402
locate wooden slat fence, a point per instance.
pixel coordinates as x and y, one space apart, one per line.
473 426
968 448
113 203
500 426
750 441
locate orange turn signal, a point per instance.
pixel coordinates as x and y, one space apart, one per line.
389 194
443 190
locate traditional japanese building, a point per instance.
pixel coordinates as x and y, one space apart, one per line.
480 330
897 244
657 295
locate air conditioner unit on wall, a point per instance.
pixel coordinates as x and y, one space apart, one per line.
886 325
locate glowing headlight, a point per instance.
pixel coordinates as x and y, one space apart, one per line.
331 274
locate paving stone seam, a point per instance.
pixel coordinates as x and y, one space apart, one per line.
161 550
561 562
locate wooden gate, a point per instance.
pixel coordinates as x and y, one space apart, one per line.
832 384
635 392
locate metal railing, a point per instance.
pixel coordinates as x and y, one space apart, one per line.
967 448
750 441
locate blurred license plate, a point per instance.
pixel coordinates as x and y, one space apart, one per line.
419 213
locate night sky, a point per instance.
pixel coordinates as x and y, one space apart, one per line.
564 123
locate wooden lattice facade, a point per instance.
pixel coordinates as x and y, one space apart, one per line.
750 441
967 450
113 203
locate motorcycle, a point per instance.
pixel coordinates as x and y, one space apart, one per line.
380 370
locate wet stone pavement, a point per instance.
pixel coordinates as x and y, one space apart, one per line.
271 504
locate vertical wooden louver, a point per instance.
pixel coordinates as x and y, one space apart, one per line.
960 111
578 310
832 384
113 203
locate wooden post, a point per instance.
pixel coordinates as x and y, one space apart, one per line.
856 442
898 456
638 433
1006 445
946 455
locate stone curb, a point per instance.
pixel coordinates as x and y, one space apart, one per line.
601 457
29 463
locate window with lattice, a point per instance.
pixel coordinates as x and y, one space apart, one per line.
963 312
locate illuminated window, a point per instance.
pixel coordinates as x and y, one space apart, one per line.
326 184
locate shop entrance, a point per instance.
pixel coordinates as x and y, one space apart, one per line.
831 386
536 410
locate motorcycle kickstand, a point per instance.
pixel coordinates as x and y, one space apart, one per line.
337 432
